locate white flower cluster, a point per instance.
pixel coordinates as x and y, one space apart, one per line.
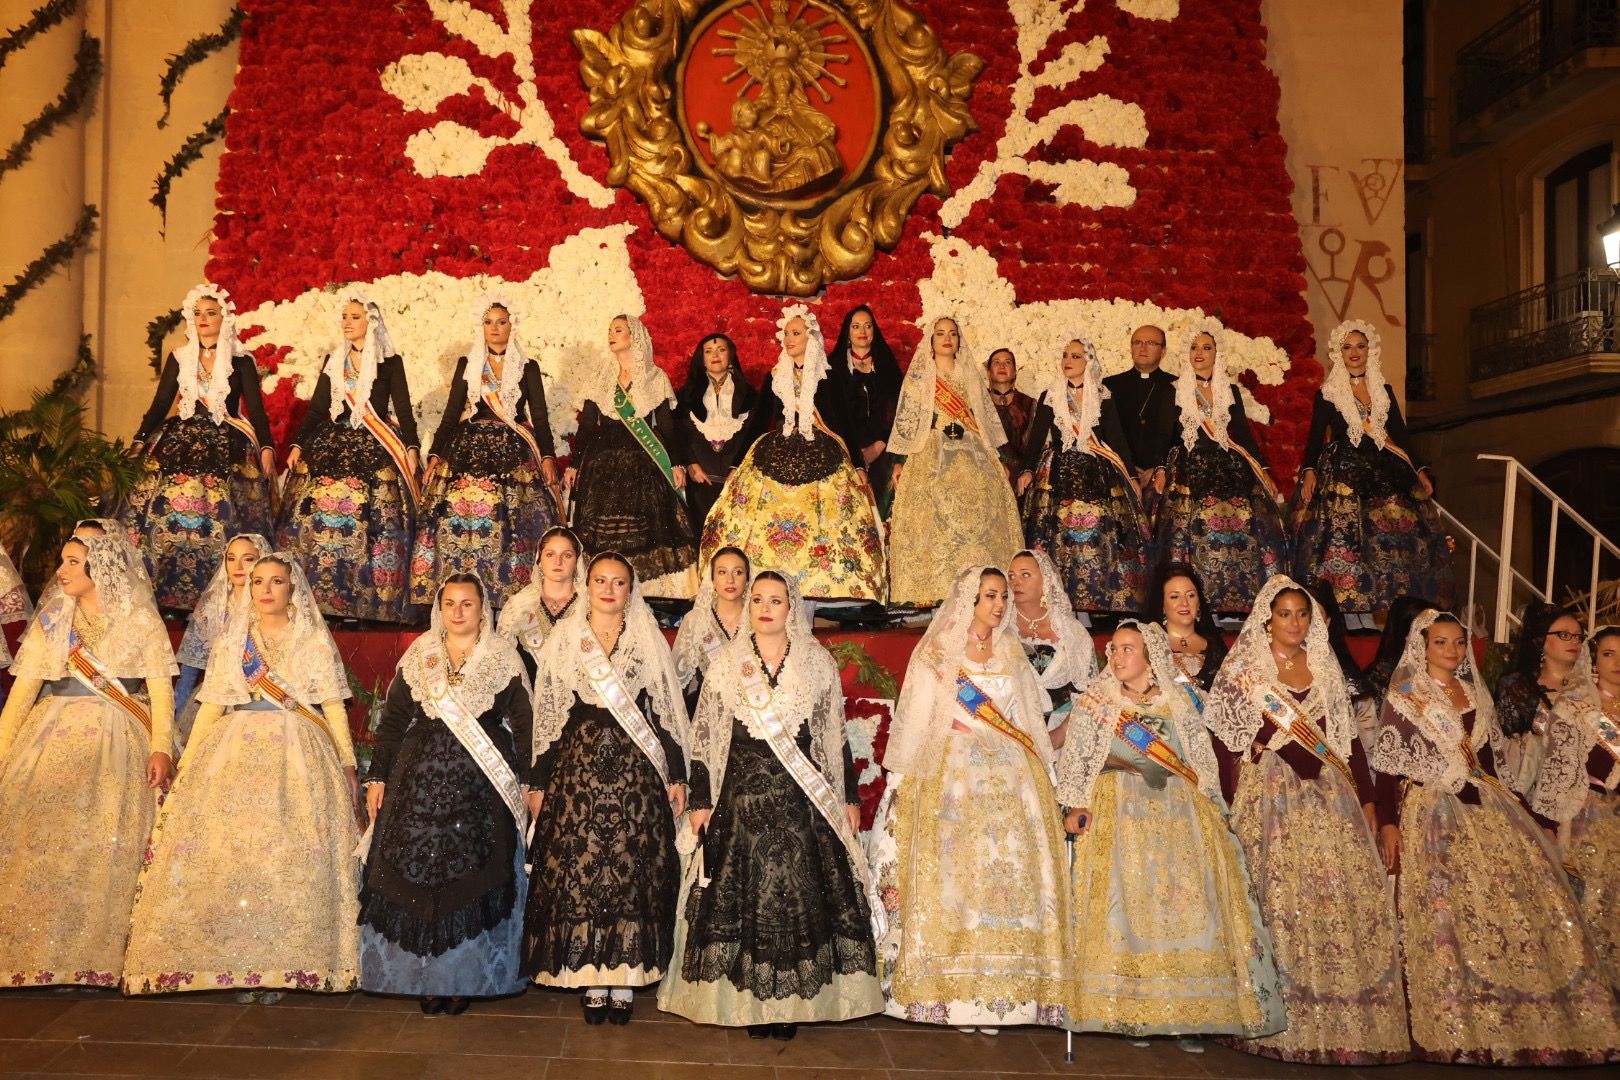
566 308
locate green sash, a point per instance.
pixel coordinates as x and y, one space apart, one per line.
644 435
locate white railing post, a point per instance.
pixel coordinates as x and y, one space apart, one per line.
1504 578
1592 593
1552 551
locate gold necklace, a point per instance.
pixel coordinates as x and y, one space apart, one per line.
1288 661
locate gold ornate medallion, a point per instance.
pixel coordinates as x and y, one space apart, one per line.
782 141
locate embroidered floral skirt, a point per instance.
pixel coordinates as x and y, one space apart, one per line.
970 862
347 514
602 892
622 503
781 934
1322 890
1594 848
953 508
1500 967
201 485
77 814
1165 933
1371 532
798 506
251 880
483 512
1218 517
1081 512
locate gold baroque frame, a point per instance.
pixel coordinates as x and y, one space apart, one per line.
630 74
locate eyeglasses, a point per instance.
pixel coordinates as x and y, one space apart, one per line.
1568 635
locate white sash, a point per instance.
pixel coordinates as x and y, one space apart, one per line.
605 681
757 699
475 740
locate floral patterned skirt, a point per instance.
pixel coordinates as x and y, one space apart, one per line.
1218 517
970 863
201 485
1500 968
798 506
1082 513
77 814
1594 848
953 508
1166 936
483 512
347 514
251 879
1322 890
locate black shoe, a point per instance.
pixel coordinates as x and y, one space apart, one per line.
432 1006
784 1032
760 1031
595 1011
619 1011
456 1006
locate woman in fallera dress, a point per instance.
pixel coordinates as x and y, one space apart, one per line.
1219 511
250 880
1197 646
953 506
441 899
608 783
1538 684
491 488
1365 500
15 607
966 850
208 620
712 414
799 501
552 592
349 510
1304 813
1165 935
1059 648
628 475
1500 967
718 614
1078 483
776 914
210 465
85 744
1576 787
867 378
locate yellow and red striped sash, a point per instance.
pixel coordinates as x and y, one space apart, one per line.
391 442
953 405
977 704
1151 745
1258 469
256 670
83 666
1291 720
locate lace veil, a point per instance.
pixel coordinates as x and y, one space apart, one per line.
1075 662
512 368
649 386
1562 784
379 347
1076 431
641 658
488 670
308 661
1420 734
187 355
1096 713
922 716
1336 386
14 603
212 612
914 415
136 645
1236 705
1220 387
799 402
700 629
525 619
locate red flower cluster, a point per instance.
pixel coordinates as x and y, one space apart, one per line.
315 187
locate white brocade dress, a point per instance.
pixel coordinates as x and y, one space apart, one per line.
970 865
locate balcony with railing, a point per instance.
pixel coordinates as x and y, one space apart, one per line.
1551 338
1540 49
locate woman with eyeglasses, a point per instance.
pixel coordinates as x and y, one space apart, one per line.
1539 685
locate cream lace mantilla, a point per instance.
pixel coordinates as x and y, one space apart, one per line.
304 655
378 347
212 612
188 357
1219 392
1421 732
1337 391
487 670
512 365
137 646
1076 430
1074 662
914 415
649 386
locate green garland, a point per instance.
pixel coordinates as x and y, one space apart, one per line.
868 672
43 18
75 378
196 51
189 154
81 84
158 329
49 261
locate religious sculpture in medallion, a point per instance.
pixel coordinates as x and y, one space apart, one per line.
783 141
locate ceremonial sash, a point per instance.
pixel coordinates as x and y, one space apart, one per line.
475 740
1106 452
91 673
497 407
1254 462
391 442
1475 771
644 435
1608 736
605 681
977 704
828 803
952 404
1292 722
259 676
1151 745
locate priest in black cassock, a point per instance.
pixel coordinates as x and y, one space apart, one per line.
1144 396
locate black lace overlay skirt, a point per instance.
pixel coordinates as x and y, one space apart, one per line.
601 908
783 913
623 503
792 459
440 871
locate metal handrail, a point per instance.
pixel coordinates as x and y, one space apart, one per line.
1510 499
1530 40
1476 548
